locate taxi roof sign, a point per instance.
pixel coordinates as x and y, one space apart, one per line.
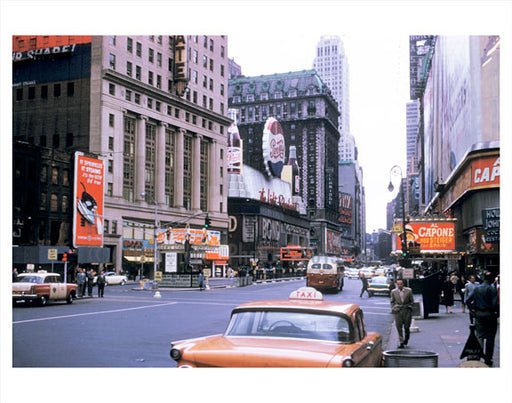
307 293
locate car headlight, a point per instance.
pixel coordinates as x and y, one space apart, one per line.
175 353
347 362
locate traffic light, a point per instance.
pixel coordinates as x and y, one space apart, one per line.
63 257
207 221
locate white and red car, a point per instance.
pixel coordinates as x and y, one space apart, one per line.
42 287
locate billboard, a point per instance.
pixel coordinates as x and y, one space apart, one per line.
88 201
427 236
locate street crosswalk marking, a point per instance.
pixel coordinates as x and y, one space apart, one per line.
92 313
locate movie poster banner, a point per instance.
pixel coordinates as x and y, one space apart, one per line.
88 201
428 236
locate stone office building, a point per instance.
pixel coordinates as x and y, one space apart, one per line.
308 116
153 108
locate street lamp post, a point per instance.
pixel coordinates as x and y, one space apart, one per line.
155 243
397 171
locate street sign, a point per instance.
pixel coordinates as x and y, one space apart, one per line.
397 229
408 274
158 276
52 254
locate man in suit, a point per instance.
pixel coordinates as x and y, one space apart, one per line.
402 302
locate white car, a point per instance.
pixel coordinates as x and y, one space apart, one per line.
112 278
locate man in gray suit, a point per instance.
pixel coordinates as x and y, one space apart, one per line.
402 302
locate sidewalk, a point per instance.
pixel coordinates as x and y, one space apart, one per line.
442 333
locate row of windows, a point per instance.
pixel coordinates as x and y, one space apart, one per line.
54 203
58 176
285 110
265 96
44 93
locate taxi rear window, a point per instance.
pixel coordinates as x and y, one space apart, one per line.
301 325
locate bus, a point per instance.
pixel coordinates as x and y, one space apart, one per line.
325 272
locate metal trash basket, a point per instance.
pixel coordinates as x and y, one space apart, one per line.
409 358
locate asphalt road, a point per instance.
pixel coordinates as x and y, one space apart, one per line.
131 328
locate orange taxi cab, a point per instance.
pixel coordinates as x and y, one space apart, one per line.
302 331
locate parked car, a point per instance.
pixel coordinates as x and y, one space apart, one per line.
379 284
42 287
112 278
302 331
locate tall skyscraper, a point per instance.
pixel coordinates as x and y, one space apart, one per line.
332 66
412 123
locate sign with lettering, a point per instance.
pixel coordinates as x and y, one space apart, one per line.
273 147
491 225
88 201
428 235
485 172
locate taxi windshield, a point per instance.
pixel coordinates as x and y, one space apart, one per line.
30 279
302 325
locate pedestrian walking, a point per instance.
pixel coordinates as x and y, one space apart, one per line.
460 290
100 282
15 275
402 302
468 289
201 281
447 294
364 282
90 282
484 301
81 279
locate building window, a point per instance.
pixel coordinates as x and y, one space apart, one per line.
195 56
43 201
222 89
112 40
112 61
44 92
56 140
137 98
222 51
138 50
54 203
204 175
222 70
129 69
111 166
210 103
150 164
204 101
110 142
31 92
194 76
211 64
211 84
69 139
151 55
129 45
159 59
56 90
129 158
112 89
19 94
65 177
150 103
64 204
128 95
187 171
194 97
169 166
159 81
150 78
71 89
157 106
205 41
205 62
211 45
114 227
138 72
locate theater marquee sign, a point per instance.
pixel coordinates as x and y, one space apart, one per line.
428 236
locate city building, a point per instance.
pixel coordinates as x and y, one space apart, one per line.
332 66
296 109
456 80
152 109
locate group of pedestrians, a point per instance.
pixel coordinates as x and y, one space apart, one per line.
482 301
85 281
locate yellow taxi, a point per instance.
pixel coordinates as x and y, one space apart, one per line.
302 331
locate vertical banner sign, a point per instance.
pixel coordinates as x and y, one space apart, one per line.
491 224
88 201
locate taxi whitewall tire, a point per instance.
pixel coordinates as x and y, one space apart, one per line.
43 300
69 299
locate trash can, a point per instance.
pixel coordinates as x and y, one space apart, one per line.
409 358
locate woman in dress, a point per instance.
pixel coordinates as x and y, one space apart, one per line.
447 294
